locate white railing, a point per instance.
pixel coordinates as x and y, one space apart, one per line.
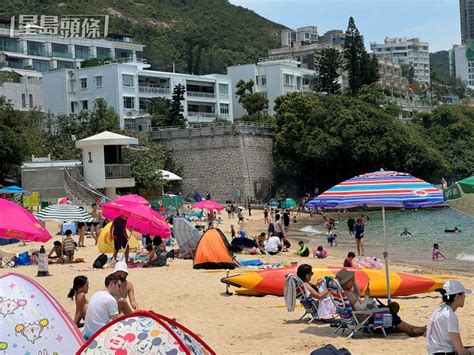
153 90
201 94
201 114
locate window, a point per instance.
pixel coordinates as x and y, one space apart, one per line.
73 106
83 83
103 53
127 80
223 89
23 100
224 109
98 81
82 52
85 105
288 79
264 80
128 102
30 96
40 65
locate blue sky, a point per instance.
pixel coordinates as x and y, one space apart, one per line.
434 21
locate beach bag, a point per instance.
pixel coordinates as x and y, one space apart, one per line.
100 261
23 259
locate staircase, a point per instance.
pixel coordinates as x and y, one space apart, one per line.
79 190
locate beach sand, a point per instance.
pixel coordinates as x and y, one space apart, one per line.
247 325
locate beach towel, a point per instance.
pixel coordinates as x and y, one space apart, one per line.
290 293
251 262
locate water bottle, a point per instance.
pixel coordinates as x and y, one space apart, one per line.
42 263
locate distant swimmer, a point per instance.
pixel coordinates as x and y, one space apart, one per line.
454 230
406 233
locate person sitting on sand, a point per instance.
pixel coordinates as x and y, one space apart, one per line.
157 256
349 261
57 249
443 335
320 252
273 245
103 306
436 254
260 240
346 279
127 289
80 287
303 250
305 273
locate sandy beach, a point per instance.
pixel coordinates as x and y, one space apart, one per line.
247 325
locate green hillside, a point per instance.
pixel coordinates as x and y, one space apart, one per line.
199 36
439 62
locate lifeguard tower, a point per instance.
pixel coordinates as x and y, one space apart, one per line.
102 161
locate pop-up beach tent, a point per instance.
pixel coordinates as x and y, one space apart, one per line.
105 243
213 252
186 235
145 332
32 321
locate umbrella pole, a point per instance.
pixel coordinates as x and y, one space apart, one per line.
385 254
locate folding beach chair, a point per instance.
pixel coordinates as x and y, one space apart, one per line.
348 316
7 259
295 289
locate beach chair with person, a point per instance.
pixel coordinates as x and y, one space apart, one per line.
355 321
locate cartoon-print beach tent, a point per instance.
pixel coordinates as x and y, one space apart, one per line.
144 332
32 321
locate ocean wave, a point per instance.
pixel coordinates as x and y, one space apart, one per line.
311 229
465 257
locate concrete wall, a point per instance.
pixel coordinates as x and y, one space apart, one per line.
49 182
26 88
227 161
94 168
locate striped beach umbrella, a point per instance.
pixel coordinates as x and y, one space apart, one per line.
63 213
380 189
460 196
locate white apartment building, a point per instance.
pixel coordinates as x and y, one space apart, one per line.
308 34
42 52
24 91
461 62
271 77
406 51
128 88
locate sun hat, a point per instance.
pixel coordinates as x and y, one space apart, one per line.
121 266
454 287
344 275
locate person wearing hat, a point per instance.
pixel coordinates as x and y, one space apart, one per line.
443 335
347 281
127 289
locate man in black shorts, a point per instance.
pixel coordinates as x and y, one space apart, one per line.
119 232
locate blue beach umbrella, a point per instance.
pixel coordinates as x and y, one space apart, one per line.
380 189
13 190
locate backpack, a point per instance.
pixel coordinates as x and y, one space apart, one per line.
100 261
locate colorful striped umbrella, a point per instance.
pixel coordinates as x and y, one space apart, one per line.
380 189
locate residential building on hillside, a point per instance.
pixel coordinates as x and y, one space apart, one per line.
23 88
271 77
308 34
43 52
333 37
391 79
461 62
129 87
412 52
466 9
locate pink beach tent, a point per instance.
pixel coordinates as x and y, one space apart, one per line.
17 223
145 332
208 205
32 321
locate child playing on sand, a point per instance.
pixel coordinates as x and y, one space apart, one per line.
332 240
69 247
232 231
320 252
303 250
436 255
349 261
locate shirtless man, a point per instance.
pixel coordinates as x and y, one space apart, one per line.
95 228
127 289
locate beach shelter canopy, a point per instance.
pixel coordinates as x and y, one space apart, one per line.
32 321
288 203
133 199
17 223
460 196
169 176
61 213
380 189
213 252
145 332
13 190
208 205
105 243
186 235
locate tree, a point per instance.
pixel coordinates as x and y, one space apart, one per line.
102 118
252 102
176 107
329 66
408 72
159 110
244 87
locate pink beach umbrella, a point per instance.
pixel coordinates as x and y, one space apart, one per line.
133 199
208 205
17 223
141 218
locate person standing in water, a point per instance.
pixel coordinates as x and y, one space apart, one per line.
436 254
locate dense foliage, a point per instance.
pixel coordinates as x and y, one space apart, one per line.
198 36
329 68
320 141
439 63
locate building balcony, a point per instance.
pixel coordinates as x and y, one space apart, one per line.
153 90
61 54
209 95
202 114
39 52
117 171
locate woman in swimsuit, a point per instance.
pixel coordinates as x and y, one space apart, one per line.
96 222
80 287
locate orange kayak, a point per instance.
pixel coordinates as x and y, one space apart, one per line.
272 281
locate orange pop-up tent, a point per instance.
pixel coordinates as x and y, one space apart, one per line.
213 252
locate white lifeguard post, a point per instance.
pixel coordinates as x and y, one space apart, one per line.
102 161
